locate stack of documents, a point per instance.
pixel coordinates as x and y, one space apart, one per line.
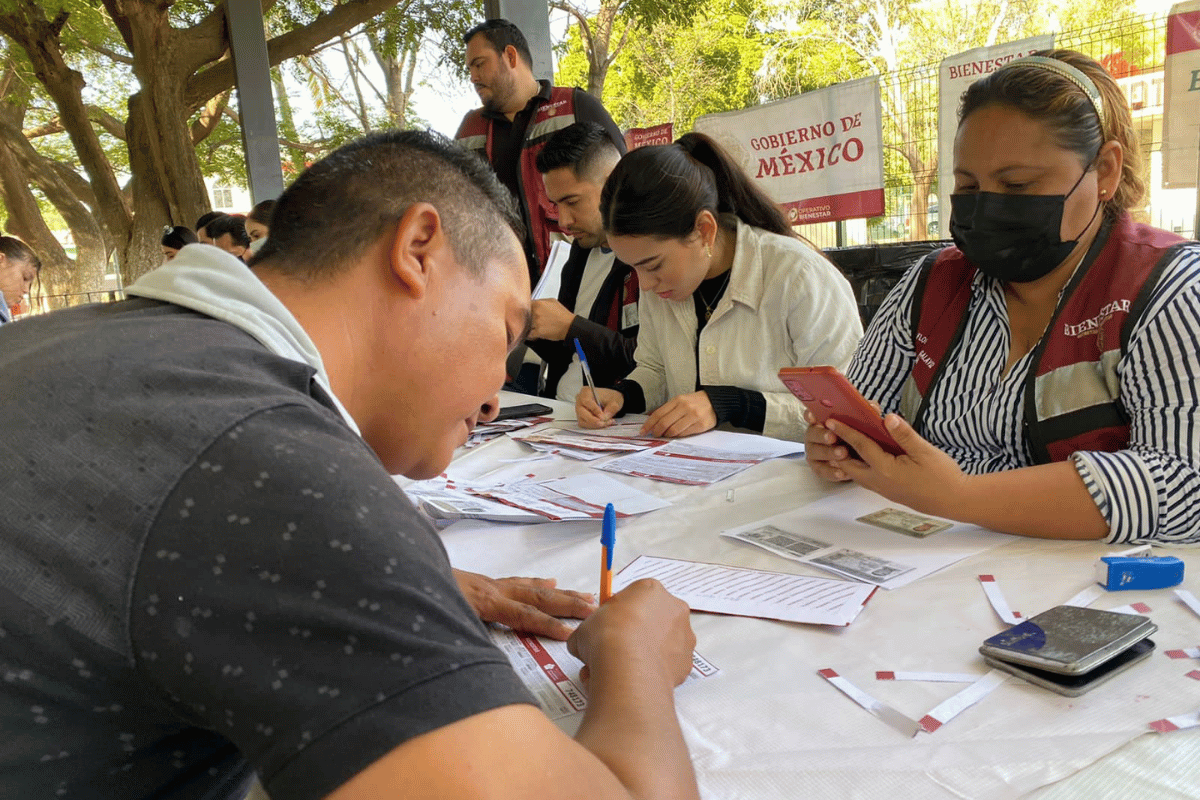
490 430
704 459
587 445
529 500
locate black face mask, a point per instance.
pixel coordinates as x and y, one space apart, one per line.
1012 237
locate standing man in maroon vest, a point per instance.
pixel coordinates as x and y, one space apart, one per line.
519 114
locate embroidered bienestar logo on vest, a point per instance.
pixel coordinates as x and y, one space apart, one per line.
1096 324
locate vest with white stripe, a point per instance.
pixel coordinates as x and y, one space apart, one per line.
549 117
1072 400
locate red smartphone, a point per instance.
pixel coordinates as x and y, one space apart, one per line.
828 395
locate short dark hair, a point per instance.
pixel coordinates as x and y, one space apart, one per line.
13 248
501 33
178 236
343 204
207 218
262 212
233 224
582 146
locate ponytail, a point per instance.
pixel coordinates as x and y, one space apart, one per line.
659 191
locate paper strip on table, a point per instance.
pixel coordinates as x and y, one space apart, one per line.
951 707
996 598
891 716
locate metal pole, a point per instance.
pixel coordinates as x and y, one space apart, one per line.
533 18
256 103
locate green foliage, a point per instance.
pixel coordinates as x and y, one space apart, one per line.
675 72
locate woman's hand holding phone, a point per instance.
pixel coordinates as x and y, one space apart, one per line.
825 451
924 478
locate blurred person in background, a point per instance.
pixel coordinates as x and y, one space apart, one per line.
173 240
19 265
202 225
258 226
228 232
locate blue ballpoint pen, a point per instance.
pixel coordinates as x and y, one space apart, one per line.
587 374
608 542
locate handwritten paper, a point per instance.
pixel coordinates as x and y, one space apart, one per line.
752 592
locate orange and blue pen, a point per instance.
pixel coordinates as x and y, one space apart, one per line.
608 542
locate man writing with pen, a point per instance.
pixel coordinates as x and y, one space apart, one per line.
598 297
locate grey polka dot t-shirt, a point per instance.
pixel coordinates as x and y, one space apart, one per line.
205 575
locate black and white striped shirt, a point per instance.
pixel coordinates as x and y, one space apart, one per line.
1146 492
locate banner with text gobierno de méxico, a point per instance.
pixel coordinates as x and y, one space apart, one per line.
819 154
955 74
1181 109
642 137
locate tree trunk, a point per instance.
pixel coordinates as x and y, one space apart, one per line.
22 167
39 38
25 220
168 186
287 126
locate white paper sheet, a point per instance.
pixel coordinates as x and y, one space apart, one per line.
828 535
751 592
548 284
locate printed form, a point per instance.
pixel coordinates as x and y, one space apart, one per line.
552 674
752 592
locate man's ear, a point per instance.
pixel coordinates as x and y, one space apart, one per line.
418 245
511 56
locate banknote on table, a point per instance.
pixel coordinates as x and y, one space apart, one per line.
785 542
861 566
909 523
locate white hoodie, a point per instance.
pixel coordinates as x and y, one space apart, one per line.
209 280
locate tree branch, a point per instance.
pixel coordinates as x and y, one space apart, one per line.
312 149
219 77
107 122
209 117
585 30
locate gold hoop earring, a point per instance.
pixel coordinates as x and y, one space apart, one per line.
708 250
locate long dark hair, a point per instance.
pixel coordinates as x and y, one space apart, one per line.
659 190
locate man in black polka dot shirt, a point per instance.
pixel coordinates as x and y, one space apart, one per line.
208 574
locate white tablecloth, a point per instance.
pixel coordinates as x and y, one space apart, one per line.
768 726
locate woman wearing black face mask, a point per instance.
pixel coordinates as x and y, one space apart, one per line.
1048 366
